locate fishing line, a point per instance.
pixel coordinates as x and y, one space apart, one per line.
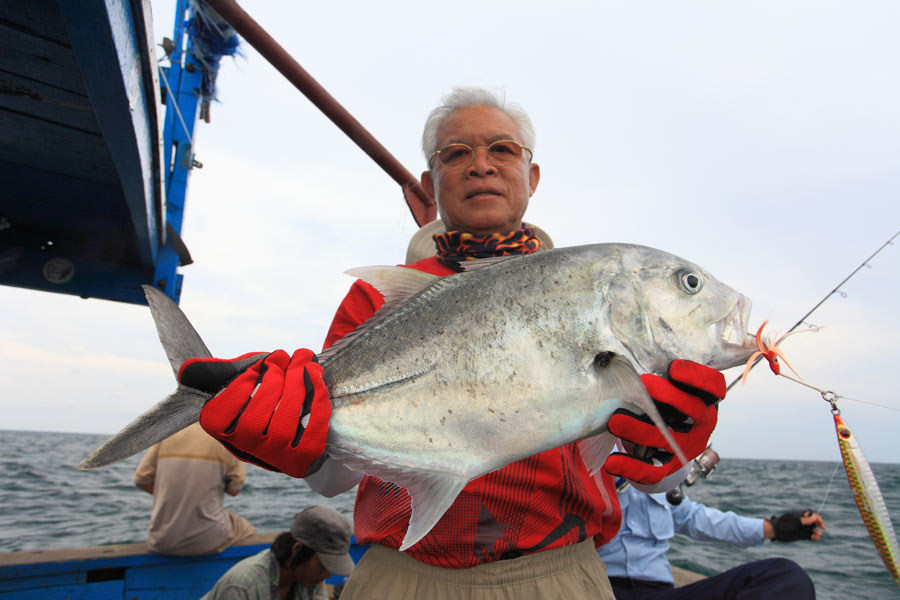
870 403
827 296
828 489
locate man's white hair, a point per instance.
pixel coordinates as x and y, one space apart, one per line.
462 97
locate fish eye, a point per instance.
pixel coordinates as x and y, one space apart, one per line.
689 281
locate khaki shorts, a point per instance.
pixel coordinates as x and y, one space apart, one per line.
241 529
571 572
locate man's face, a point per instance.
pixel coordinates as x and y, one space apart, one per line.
311 573
481 198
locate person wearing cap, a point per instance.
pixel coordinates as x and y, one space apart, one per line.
297 563
636 558
526 530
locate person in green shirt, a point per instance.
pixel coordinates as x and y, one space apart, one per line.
297 563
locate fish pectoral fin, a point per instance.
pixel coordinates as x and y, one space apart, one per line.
619 380
595 450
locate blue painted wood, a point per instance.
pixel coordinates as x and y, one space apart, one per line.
184 78
109 42
140 575
137 576
48 270
93 591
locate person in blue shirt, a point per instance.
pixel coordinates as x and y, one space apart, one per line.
636 558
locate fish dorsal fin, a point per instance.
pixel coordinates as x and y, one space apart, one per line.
431 492
178 337
480 263
396 284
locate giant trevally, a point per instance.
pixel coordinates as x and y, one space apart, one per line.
457 376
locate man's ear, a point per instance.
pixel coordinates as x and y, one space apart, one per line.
428 182
534 176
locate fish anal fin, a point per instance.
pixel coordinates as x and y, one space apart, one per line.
431 492
431 496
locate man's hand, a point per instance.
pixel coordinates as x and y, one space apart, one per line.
687 402
270 410
794 525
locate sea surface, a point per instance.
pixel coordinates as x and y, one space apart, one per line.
45 502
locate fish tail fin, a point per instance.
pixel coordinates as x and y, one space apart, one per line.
180 341
177 411
176 334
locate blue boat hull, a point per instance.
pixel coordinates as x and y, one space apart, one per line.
123 572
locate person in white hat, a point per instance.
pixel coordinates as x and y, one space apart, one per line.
297 563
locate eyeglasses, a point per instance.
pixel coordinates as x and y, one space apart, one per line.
501 153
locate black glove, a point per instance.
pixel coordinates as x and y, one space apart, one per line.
789 528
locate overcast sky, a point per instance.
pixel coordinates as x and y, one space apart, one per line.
760 140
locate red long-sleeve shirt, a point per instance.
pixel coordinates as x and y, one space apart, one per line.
541 502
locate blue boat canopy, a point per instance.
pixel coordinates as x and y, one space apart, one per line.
87 204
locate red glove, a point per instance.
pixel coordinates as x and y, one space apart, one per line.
271 410
687 402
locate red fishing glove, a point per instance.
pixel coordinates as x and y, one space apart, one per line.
687 402
270 410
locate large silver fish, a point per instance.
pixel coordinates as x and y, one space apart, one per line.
457 376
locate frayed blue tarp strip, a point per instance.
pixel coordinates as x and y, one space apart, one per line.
212 38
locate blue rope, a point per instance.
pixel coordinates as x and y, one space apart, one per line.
212 39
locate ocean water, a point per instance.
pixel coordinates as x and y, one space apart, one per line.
45 502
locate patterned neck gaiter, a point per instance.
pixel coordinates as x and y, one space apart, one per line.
454 247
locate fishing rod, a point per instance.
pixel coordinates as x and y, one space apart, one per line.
421 204
866 493
821 302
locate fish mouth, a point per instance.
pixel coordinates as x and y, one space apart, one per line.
733 331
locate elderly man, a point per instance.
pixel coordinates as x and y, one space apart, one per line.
523 531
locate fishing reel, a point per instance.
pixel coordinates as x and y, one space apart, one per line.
701 468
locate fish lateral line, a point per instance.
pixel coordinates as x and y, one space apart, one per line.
343 395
